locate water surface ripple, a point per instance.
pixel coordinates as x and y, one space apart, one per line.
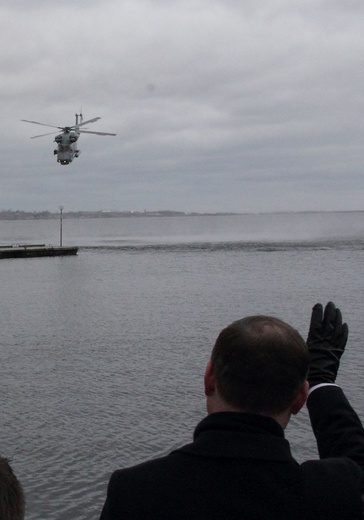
103 354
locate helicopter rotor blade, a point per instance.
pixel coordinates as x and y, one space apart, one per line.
42 135
89 121
43 124
96 133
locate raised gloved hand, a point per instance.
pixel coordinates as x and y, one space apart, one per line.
326 342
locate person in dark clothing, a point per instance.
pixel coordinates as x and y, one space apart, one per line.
12 503
239 465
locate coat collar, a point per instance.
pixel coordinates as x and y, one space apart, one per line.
239 435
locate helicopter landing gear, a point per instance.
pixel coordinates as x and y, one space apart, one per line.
77 153
55 152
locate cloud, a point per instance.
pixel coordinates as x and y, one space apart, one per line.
217 104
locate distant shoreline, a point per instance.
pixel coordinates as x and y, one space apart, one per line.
47 215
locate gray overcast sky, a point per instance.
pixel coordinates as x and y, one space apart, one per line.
218 105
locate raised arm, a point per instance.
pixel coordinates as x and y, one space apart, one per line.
337 427
327 338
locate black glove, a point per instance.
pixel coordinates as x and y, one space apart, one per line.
326 342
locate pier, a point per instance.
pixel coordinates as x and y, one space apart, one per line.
35 250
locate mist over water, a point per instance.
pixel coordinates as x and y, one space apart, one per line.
276 227
103 354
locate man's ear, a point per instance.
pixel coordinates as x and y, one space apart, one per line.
300 398
209 380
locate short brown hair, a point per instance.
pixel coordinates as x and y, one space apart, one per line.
260 363
12 503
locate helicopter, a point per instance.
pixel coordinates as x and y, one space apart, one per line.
67 148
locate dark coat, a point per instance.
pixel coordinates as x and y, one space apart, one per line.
240 467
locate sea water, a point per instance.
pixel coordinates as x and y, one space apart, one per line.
102 354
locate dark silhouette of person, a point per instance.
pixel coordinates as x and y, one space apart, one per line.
239 465
12 502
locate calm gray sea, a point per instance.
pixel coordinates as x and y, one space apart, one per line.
102 355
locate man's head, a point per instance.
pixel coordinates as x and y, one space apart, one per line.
12 503
259 364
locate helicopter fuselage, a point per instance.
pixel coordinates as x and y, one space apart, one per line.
67 147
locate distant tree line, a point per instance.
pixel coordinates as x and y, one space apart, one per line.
9 214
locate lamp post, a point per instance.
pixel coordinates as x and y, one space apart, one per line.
60 225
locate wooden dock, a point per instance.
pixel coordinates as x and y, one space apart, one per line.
35 250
